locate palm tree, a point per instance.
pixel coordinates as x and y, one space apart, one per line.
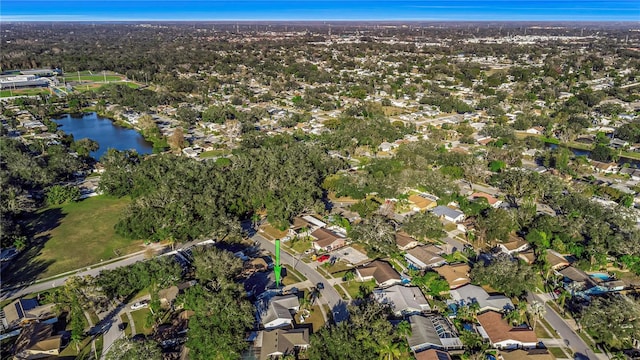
562 299
349 275
403 329
536 310
390 350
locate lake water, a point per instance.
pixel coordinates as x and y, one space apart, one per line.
104 132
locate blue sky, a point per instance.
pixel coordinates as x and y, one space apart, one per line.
128 10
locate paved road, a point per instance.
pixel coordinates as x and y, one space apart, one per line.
92 270
563 329
329 294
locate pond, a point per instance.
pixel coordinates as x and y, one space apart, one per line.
102 130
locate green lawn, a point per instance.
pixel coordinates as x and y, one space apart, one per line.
557 352
541 332
341 292
300 245
353 287
315 319
91 78
214 153
139 319
72 236
18 92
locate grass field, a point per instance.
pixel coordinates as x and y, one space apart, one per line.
353 287
72 236
90 78
8 93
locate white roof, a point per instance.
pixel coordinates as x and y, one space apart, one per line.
472 293
310 219
402 298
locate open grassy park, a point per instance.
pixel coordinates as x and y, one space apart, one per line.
70 237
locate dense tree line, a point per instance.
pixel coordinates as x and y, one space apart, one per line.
184 199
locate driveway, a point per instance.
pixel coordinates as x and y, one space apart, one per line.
329 294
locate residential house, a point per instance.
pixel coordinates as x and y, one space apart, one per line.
469 294
618 143
528 256
515 244
575 276
327 240
452 245
433 332
23 311
383 273
405 242
501 335
278 312
37 341
404 300
449 214
167 296
490 199
317 223
536 130
424 257
531 354
607 168
433 354
457 275
281 342
556 260
422 202
301 228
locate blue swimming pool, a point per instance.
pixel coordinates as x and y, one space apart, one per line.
601 276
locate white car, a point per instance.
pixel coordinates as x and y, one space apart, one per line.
139 305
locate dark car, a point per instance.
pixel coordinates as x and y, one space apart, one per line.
122 326
320 286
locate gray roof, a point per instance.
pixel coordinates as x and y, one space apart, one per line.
433 331
279 308
402 298
447 211
283 341
471 293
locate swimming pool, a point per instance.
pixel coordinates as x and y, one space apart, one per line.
601 276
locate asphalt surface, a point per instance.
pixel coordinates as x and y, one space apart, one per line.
575 342
329 294
92 270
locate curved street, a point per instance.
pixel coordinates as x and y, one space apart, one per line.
329 294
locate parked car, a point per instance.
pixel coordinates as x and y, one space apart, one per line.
320 286
139 305
122 326
323 258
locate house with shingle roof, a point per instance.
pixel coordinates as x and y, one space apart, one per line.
405 242
282 342
456 275
469 294
501 335
404 300
433 332
278 312
380 271
424 257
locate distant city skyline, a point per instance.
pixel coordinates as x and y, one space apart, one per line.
313 10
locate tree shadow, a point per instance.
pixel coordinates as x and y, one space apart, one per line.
340 312
26 267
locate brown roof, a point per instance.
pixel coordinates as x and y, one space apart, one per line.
514 243
325 237
490 199
556 260
420 201
528 256
533 354
299 223
403 239
499 329
283 341
37 337
380 270
427 254
456 275
433 354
